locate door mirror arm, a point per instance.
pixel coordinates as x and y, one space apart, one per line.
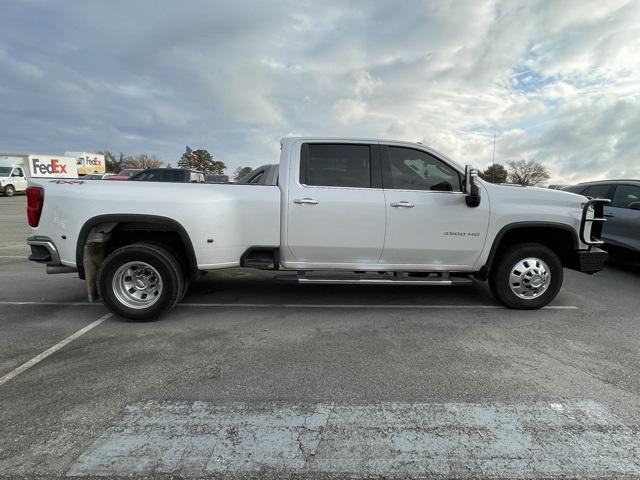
471 188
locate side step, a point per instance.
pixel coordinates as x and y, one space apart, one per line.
436 279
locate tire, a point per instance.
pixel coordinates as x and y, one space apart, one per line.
144 296
9 191
528 263
186 278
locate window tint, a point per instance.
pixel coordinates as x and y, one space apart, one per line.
598 191
626 196
410 169
336 165
257 178
574 189
174 176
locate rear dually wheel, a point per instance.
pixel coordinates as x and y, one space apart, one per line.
140 282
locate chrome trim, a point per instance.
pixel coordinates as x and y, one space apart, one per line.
403 204
49 245
137 285
598 217
305 201
529 278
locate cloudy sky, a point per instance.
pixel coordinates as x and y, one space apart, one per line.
555 81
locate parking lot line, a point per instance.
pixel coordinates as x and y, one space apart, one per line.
38 358
305 305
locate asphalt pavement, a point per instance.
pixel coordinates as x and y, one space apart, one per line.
250 378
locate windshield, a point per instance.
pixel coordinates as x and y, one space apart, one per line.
5 171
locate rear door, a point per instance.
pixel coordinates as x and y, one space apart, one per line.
623 217
335 209
428 221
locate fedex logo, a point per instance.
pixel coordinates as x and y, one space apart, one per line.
51 168
93 161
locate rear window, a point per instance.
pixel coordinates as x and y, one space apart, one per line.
598 191
336 165
574 189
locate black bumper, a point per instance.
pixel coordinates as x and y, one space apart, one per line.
589 261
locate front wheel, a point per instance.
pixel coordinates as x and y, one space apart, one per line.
9 191
526 276
140 282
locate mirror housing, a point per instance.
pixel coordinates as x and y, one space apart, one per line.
471 187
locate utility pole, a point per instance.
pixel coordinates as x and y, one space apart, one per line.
494 148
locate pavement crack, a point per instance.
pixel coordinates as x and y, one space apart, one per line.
315 434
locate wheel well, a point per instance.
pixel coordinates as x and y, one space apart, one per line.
559 238
127 233
112 233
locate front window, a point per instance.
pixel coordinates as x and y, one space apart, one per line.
626 196
410 169
5 171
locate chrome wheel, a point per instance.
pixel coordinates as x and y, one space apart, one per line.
529 278
137 285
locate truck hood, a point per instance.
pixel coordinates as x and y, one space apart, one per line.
540 196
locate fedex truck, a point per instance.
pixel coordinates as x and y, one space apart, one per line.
16 169
88 163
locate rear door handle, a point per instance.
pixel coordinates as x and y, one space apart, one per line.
306 201
403 204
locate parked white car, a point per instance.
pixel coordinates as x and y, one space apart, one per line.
342 211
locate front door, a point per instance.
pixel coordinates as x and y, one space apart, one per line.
335 207
429 224
623 217
19 179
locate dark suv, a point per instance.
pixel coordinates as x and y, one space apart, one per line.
174 175
622 228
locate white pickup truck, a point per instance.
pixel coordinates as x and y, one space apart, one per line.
344 211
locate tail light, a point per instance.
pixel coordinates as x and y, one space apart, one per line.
35 202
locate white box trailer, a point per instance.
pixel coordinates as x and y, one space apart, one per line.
88 163
17 168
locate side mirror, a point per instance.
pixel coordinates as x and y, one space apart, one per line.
471 187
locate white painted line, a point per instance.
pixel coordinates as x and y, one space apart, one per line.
306 305
25 366
23 257
364 306
51 304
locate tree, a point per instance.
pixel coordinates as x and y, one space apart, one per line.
527 172
241 172
202 161
115 163
495 173
144 160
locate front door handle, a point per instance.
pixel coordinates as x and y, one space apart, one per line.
403 204
306 201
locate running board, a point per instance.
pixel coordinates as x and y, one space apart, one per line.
366 280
